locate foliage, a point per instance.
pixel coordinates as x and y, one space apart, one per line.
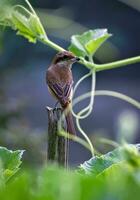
114 175
52 182
27 24
98 164
88 43
10 162
24 21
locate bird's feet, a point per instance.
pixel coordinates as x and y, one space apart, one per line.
56 104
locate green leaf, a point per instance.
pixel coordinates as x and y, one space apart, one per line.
98 164
21 23
10 162
116 171
36 26
99 37
54 183
25 22
88 43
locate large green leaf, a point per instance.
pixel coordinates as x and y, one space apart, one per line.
10 162
87 43
54 183
99 164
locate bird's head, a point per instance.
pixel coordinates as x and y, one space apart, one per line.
65 58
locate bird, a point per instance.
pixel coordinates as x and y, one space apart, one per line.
59 79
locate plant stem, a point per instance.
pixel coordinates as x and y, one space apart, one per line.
91 65
119 96
30 6
120 63
108 93
51 44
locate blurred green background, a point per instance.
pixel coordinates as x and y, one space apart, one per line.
24 94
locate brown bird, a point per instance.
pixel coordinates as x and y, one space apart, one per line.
60 80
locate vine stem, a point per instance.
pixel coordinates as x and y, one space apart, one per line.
75 89
108 93
116 64
108 141
87 110
112 65
74 138
87 143
23 8
51 44
90 65
30 6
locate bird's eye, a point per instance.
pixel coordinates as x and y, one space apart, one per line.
65 58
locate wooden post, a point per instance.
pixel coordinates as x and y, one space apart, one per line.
57 145
63 151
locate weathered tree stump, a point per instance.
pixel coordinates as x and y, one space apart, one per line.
57 145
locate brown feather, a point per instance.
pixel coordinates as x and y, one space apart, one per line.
60 80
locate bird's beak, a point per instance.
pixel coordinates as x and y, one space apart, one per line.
76 59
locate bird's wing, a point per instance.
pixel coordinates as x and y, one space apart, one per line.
62 91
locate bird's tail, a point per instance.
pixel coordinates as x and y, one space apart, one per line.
70 122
